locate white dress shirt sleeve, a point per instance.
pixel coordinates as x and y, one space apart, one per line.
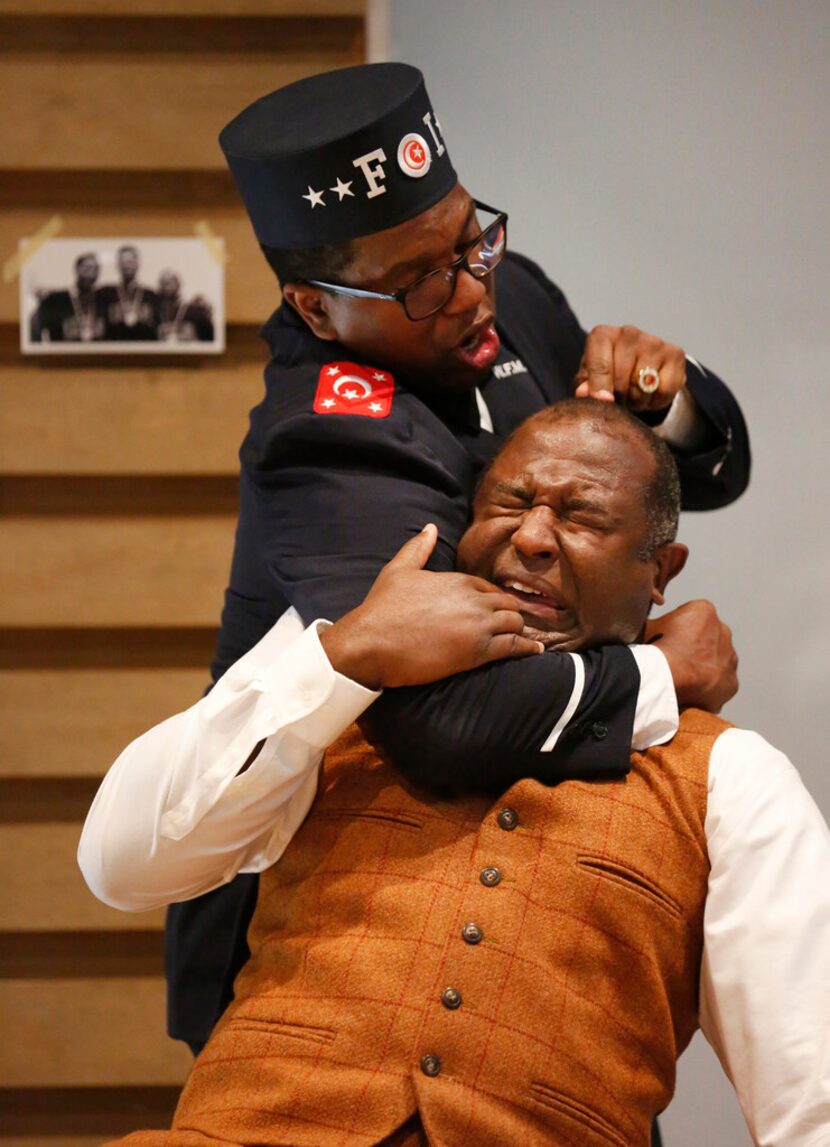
765 980
656 717
175 816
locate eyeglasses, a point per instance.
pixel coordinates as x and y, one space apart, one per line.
432 291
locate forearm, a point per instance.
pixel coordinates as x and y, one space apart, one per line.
179 813
552 717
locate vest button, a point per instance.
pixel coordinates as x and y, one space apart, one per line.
430 1065
507 819
472 934
599 730
490 877
451 998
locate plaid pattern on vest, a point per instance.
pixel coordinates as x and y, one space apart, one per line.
573 994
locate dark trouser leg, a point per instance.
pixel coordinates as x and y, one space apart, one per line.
656 1140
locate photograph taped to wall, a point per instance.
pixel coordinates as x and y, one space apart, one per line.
123 296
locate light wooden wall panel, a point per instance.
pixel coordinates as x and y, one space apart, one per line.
61 123
54 1141
42 888
149 571
126 419
251 287
118 508
87 1032
75 722
79 1116
275 8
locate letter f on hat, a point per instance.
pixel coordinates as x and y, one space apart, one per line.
373 174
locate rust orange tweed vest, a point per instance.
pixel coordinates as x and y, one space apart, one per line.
520 971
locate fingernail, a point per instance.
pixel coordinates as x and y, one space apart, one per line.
540 647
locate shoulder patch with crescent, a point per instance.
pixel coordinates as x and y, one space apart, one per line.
346 388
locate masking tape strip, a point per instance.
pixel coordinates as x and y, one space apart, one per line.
215 246
28 247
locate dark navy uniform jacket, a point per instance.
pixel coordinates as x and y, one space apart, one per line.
326 499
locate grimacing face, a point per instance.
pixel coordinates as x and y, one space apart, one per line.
559 522
453 349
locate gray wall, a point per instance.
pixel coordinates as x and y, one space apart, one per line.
667 164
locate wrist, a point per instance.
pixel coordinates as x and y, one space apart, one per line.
678 667
352 652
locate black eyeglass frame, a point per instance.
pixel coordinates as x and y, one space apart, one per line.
457 265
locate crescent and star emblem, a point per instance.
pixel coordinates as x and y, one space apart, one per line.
350 380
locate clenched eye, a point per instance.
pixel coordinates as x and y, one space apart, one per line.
511 496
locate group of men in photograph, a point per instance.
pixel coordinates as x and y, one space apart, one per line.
126 311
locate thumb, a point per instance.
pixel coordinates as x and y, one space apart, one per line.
414 554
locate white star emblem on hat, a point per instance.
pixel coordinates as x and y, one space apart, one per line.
376 406
327 402
379 376
315 198
333 370
350 394
342 189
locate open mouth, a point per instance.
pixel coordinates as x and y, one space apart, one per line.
481 347
540 607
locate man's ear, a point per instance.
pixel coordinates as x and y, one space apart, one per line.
311 304
669 561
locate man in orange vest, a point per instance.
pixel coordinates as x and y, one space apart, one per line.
514 967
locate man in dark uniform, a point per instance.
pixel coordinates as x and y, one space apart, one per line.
73 315
129 308
400 362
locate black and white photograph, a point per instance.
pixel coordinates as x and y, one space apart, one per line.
123 296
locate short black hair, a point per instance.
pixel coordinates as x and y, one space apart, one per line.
661 494
82 258
312 263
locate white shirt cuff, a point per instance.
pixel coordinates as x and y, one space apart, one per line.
656 716
311 696
683 427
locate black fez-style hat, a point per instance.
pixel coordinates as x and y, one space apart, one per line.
338 155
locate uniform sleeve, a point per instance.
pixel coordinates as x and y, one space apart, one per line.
717 470
176 815
765 982
333 500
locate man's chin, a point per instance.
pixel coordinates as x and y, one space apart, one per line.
551 639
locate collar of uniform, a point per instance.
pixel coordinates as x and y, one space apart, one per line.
455 408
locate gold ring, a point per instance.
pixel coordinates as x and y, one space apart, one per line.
648 380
